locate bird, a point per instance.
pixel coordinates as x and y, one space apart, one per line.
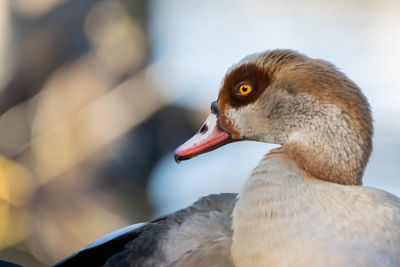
303 204
8 264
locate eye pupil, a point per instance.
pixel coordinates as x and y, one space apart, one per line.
244 89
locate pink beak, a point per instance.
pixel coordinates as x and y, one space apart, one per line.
209 137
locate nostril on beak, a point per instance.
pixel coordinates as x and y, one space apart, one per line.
204 129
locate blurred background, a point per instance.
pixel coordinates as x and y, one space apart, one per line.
96 94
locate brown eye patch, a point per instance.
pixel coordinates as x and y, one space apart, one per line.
246 74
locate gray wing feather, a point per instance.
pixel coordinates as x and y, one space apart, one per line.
216 253
200 234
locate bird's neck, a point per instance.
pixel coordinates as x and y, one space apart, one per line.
331 144
274 200
338 157
265 202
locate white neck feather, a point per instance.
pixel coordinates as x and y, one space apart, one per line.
262 204
278 213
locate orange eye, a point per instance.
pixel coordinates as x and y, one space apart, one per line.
244 89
